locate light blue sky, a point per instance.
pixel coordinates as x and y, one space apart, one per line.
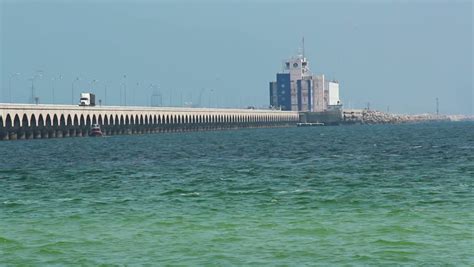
401 55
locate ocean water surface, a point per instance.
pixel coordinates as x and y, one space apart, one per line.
349 195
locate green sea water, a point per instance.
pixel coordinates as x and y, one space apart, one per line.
380 195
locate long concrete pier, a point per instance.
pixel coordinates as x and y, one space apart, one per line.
26 121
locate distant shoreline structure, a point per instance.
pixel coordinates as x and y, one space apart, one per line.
296 88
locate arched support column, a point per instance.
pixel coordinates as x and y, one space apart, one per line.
21 135
29 134
4 136
37 133
12 135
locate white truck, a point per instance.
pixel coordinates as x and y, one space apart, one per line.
87 99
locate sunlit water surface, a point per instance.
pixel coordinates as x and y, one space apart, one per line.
355 195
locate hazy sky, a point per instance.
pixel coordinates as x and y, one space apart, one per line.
402 55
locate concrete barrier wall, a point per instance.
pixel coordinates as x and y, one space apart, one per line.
23 121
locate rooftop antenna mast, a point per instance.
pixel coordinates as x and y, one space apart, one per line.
302 44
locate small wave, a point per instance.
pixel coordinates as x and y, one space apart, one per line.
434 201
174 192
229 239
124 200
67 199
400 254
75 216
302 191
401 243
309 231
50 251
10 203
243 170
396 229
6 241
297 191
328 200
192 194
236 191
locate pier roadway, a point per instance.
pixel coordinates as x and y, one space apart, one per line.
26 121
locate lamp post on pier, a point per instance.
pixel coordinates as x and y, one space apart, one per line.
105 93
210 94
200 97
34 98
93 82
72 89
125 89
10 85
53 80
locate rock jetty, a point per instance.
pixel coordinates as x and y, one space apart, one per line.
365 116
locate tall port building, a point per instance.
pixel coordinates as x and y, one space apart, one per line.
297 89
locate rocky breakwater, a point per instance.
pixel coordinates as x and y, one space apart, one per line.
377 117
365 116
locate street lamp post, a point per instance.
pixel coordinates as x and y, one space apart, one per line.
171 96
60 77
10 86
133 95
200 96
105 94
160 95
72 90
156 97
93 82
158 92
125 89
210 93
33 79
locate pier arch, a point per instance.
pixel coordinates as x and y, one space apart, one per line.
9 121
69 121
